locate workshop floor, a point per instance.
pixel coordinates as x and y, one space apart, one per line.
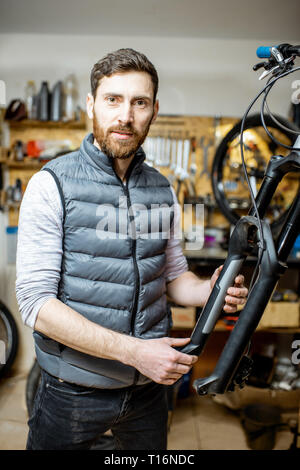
196 422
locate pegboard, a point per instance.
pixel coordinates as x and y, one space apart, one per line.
188 145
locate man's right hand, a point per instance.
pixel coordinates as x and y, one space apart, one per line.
154 358
158 360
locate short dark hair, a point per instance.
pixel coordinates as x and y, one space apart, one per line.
123 60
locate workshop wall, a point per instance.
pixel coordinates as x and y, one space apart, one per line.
198 77
201 77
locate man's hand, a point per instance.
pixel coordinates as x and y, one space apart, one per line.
236 295
158 360
155 358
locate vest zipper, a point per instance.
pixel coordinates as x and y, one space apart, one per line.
136 270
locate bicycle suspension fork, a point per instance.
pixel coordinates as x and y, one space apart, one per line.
232 368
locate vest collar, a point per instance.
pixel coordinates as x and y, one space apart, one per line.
105 163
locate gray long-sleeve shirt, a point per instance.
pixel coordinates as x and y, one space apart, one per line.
39 249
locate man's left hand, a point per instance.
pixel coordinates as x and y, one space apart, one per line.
236 295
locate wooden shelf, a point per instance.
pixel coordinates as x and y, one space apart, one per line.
25 131
13 205
28 123
31 164
27 163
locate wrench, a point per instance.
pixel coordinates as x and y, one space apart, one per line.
205 148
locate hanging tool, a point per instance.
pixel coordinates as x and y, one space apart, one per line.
157 151
185 176
148 148
186 155
181 171
164 152
205 148
178 169
168 144
173 151
218 134
193 165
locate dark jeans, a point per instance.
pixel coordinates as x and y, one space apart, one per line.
68 416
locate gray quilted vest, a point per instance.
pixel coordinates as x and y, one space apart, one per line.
113 264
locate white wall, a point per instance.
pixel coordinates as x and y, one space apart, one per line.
197 76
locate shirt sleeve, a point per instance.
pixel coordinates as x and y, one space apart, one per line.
39 247
176 261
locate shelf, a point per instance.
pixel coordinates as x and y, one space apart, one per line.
28 123
12 205
31 164
215 256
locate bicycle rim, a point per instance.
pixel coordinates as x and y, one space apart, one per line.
8 338
221 170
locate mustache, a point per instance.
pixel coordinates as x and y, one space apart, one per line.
126 128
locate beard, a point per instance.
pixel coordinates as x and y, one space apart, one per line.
120 149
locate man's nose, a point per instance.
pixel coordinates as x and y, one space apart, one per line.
126 113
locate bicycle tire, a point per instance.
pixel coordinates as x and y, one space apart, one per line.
219 160
9 336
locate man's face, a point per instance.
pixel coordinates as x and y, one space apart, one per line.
122 113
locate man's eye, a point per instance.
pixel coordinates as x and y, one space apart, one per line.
140 103
111 99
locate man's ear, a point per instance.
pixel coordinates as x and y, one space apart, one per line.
90 105
156 109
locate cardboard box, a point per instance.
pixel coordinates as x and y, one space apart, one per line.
285 400
183 317
281 315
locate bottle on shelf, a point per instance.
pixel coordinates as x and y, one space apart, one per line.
44 103
30 93
17 191
18 150
56 113
70 91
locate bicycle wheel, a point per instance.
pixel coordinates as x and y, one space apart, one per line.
228 181
8 339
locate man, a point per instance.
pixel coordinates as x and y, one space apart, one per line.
96 298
